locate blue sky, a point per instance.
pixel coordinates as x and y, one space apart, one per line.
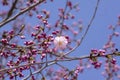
97 36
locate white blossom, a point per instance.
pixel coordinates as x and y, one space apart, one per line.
60 42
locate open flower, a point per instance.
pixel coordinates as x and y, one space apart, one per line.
60 42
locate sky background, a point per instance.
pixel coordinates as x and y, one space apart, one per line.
97 36
107 13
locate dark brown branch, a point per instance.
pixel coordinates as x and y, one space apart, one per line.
20 13
11 9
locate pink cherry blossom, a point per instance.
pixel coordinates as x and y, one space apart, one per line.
60 42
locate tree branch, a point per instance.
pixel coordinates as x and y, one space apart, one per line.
93 17
61 60
11 10
39 70
20 13
86 31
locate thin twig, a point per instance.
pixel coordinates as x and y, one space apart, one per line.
93 17
86 31
62 18
38 71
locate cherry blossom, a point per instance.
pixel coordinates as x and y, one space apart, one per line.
60 42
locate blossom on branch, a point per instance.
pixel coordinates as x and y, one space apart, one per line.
60 42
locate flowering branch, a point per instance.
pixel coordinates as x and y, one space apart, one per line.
86 31
66 58
38 71
20 13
